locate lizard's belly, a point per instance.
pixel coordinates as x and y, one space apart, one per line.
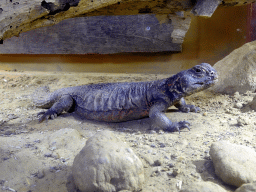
113 115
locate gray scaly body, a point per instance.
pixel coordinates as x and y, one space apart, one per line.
117 102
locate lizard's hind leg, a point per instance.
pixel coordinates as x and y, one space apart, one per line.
64 103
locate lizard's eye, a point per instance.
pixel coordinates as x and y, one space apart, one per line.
198 70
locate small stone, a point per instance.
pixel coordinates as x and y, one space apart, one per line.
2 182
174 156
8 132
162 145
152 132
171 165
178 185
238 105
40 174
175 172
48 155
153 145
158 162
241 121
236 94
196 175
156 172
205 114
148 159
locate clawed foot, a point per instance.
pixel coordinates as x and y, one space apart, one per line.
177 126
189 108
46 115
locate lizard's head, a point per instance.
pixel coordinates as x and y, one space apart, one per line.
197 78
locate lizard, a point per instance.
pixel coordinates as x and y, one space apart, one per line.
125 101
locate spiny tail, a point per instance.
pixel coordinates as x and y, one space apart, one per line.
42 97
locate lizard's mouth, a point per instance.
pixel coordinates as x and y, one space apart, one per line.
210 82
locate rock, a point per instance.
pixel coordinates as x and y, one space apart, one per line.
252 104
238 105
250 187
203 187
236 71
106 163
234 164
147 159
205 7
241 121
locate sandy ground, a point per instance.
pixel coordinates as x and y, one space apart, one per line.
30 160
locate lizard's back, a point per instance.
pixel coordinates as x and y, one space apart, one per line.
112 102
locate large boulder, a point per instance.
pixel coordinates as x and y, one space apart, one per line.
234 164
107 164
237 71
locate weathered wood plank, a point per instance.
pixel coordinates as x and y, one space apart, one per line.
18 16
103 35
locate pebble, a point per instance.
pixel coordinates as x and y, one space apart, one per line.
148 159
176 171
162 145
238 105
153 145
171 165
156 171
178 185
40 174
158 162
48 155
174 156
241 121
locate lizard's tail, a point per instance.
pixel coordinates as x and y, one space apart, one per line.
41 97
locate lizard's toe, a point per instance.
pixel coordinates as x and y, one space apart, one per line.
46 115
190 108
177 126
195 109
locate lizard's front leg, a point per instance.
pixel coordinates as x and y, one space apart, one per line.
183 107
63 104
158 118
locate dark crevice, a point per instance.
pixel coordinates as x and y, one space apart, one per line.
193 2
145 10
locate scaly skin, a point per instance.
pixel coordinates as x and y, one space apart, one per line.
117 102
